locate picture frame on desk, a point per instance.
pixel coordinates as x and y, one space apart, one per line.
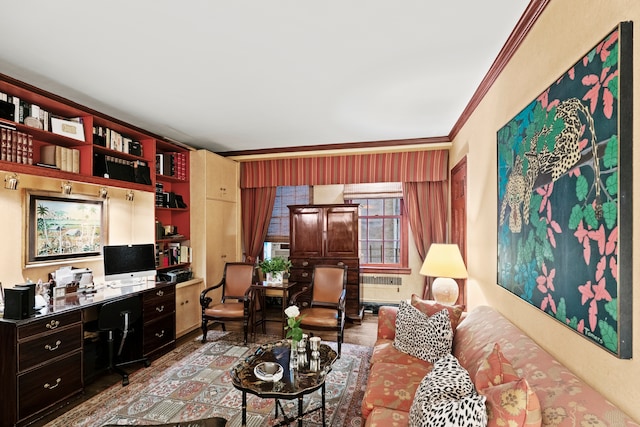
63 228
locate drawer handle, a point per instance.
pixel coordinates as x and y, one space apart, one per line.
53 324
160 309
305 263
160 293
160 335
48 347
51 387
305 274
340 263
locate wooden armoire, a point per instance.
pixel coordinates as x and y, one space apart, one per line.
326 235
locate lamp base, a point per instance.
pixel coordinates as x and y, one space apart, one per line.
445 290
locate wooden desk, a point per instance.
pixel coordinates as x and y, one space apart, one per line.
43 358
286 289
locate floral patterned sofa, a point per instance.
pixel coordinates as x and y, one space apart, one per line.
561 398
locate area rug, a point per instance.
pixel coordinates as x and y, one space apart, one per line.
193 382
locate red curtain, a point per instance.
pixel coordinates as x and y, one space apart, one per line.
426 207
257 205
410 166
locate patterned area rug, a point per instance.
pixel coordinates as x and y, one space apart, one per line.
192 382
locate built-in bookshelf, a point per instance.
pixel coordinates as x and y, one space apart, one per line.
43 134
172 207
46 135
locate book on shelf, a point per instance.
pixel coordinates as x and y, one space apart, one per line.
16 146
63 158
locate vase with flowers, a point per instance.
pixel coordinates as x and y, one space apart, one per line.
294 332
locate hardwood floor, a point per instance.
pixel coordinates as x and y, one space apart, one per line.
363 333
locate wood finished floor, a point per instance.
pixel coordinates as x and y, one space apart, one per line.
363 333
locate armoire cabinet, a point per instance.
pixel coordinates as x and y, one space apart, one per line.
326 235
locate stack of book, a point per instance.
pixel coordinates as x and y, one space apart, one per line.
17 110
63 158
16 146
160 198
114 140
172 164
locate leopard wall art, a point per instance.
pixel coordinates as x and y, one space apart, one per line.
565 154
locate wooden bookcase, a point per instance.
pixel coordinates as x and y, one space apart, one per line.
94 151
88 151
174 182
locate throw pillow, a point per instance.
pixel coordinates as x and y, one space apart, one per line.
469 411
427 338
447 381
431 307
513 404
510 400
495 369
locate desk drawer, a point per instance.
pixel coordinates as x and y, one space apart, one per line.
45 347
158 302
158 333
49 324
49 384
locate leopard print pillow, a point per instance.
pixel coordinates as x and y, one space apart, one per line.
427 338
446 396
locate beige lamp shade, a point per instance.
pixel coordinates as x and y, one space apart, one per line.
444 262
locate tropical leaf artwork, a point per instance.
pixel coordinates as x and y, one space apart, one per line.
559 198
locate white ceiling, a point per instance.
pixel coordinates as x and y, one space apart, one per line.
243 75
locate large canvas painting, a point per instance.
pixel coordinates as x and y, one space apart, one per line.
66 227
564 197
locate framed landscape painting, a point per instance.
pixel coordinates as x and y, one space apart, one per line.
565 216
61 228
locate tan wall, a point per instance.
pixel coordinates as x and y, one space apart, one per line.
564 32
128 222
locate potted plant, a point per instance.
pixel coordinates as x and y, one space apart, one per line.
274 267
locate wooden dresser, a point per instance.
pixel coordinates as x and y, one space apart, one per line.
326 235
42 358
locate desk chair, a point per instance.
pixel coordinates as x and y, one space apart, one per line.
120 315
322 304
237 302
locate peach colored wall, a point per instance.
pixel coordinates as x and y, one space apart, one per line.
565 31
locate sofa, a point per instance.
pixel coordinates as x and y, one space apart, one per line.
555 396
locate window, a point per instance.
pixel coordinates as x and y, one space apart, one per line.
383 225
279 226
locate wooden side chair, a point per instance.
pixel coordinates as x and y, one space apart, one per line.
237 302
322 304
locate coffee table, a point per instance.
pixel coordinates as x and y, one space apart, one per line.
295 382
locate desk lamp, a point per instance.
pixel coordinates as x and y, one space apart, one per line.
444 262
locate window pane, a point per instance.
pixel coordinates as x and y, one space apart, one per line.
381 230
279 226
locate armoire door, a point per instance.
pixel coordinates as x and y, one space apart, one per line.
341 229
306 234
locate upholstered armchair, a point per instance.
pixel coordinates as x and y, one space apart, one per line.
322 303
237 302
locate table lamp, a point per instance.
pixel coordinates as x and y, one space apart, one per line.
444 262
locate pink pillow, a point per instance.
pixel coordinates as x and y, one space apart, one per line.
510 400
512 404
431 307
494 370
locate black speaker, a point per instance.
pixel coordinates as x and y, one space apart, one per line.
32 296
16 303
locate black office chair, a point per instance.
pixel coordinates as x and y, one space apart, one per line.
120 315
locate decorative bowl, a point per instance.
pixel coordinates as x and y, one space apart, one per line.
268 371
